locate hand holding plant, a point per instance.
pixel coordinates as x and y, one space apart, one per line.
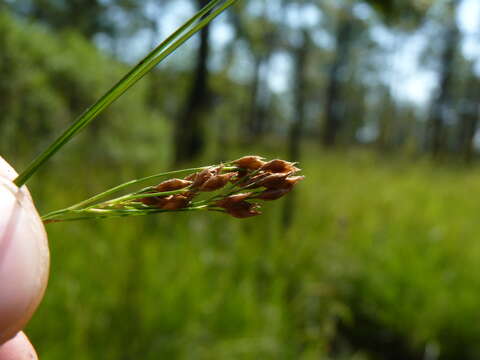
24 264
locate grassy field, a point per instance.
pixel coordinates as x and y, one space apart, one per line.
381 254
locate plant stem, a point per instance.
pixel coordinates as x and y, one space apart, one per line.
135 74
130 183
94 201
140 196
90 214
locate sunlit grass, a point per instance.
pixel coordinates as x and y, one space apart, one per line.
396 242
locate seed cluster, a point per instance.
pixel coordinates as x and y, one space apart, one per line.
240 184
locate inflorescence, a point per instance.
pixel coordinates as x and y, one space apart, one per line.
236 188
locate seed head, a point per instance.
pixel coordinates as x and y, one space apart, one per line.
191 177
272 194
149 201
201 177
279 166
273 181
175 202
254 180
251 162
154 201
232 199
240 174
189 194
242 209
217 182
293 180
172 184
251 178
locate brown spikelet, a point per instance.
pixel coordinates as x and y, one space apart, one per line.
232 199
273 194
189 194
279 166
293 180
149 201
217 182
175 202
172 184
243 178
241 173
242 209
191 177
203 176
154 201
252 181
251 162
273 181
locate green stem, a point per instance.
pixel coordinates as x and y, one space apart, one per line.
94 200
144 66
116 189
53 214
91 214
141 196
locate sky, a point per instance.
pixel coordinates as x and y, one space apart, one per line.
410 81
469 20
417 82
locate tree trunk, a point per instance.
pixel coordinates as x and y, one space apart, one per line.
254 113
443 99
257 123
189 137
469 121
471 127
296 129
332 122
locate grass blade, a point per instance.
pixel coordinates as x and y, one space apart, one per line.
170 44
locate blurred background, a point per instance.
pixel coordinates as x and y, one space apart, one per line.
374 256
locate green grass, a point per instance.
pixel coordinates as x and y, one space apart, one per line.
393 242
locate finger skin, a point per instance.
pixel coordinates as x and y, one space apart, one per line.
24 255
18 348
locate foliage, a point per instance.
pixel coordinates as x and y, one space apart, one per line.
89 17
47 81
375 240
406 14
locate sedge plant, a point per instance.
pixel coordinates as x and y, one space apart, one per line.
250 178
235 188
24 253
